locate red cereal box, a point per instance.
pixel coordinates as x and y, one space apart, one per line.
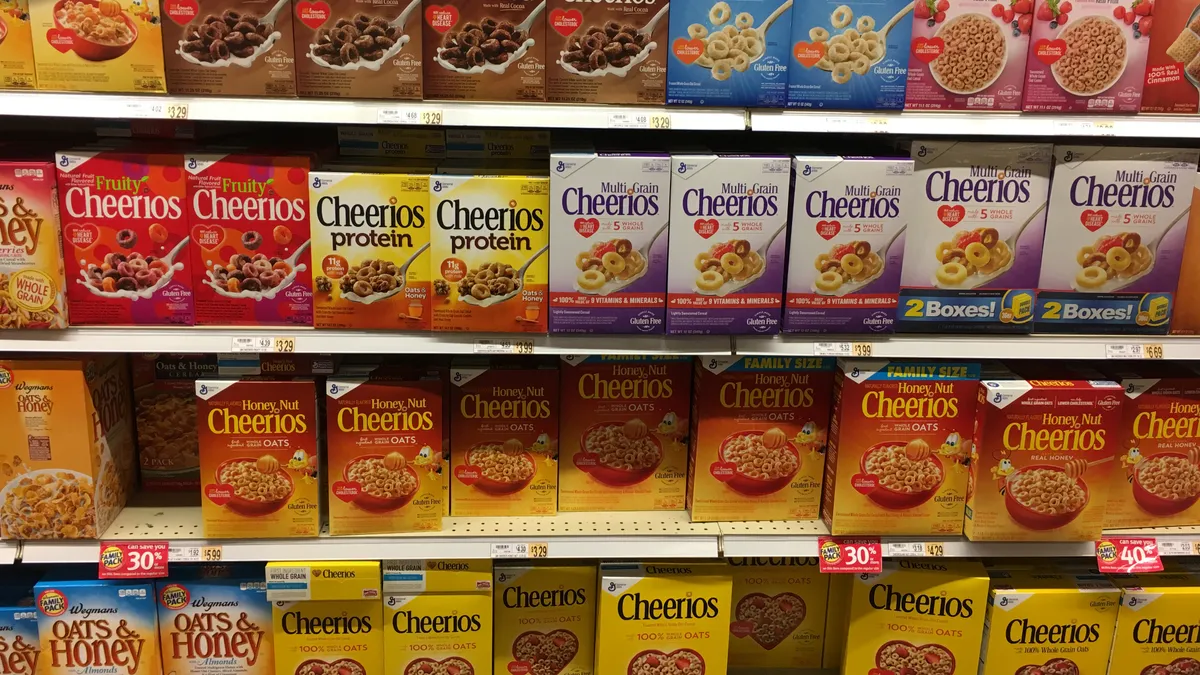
125 237
249 217
1173 59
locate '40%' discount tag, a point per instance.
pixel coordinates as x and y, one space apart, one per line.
133 559
850 555
1128 555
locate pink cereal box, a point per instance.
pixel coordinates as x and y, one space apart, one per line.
1084 57
969 56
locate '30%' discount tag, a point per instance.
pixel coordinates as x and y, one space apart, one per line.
133 559
853 556
1128 555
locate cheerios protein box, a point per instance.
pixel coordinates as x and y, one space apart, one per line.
545 619
778 618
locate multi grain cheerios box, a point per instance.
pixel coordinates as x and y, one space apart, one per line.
610 214
1049 623
624 432
1089 59
971 259
778 619
1171 62
729 219
758 435
370 234
1118 220
209 625
164 403
899 445
594 71
489 240
664 618
387 66
438 617
866 75
545 619
1156 624
259 458
32 288
916 616
848 220
326 617
88 626
711 66
1185 315
84 45
16 49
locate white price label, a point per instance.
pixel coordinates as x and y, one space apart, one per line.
146 109
263 345
1086 127
1178 547
521 550
639 120
398 116
1133 351
857 124
504 346
920 549
194 553
859 349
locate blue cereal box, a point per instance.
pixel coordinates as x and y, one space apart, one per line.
729 53
849 56
215 626
91 627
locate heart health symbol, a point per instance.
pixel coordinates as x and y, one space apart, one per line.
313 14
687 51
1093 220
828 229
587 226
706 228
1049 51
808 53
951 215
928 49
182 12
441 18
566 22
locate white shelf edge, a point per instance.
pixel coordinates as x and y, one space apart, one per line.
932 346
980 123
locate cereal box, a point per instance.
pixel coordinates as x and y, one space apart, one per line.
504 440
461 64
624 430
388 66
489 262
370 236
1093 62
758 434
847 219
164 400
836 615
87 45
70 465
125 237
1171 63
918 617
1185 319
626 62
729 218
212 626
243 277
414 143
778 613
19 639
899 443
238 48
385 455
978 212
479 143
863 76
259 458
90 626
969 56
32 288
1156 625
16 48
329 622
1049 623
438 617
610 213
656 619
712 67
1041 459
1113 252
545 619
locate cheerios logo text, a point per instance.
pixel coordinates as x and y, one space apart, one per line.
411 414
296 623
886 597
644 381
404 622
121 198
1057 433
1150 424
912 401
515 597
261 203
1025 632
633 607
507 403
452 214
982 184
382 222
857 201
259 417
1150 631
733 199
1137 189
615 199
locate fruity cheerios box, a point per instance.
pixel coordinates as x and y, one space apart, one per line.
545 619
1117 224
779 612
729 53
98 45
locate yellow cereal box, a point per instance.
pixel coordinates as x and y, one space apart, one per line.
835 619
1049 623
95 45
16 48
545 619
327 618
32 287
489 244
439 617
778 616
916 617
662 619
1157 632
88 627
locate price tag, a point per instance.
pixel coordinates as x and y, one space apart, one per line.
1128 555
263 345
398 116
521 550
1178 547
284 345
133 559
432 117
195 554
850 555
878 125
918 549
145 109
1086 127
1135 350
504 346
861 349
177 111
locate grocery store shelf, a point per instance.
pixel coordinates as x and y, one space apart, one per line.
976 124
964 347
771 538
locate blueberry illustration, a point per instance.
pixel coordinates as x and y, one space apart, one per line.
1137 25
1016 32
1053 24
1136 35
930 23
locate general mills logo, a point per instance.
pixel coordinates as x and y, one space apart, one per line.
203 389
333 389
560 166
682 168
437 186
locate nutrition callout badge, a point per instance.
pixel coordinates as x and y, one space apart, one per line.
112 558
174 596
52 602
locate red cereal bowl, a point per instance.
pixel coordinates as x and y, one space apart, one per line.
1184 665
1152 503
894 499
910 646
94 51
249 507
618 477
746 485
1033 520
1051 667
369 502
655 656
499 487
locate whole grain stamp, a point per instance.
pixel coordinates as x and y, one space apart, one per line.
359 49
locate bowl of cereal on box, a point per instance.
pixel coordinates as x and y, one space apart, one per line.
384 482
256 486
100 30
1094 58
619 453
1166 483
1044 497
905 658
504 468
757 462
974 55
906 474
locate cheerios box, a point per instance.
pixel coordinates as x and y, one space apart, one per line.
86 625
974 246
849 56
89 45
899 446
729 53
1086 57
326 617
758 436
209 624
388 66
624 432
778 619
583 71
847 243
1114 243
16 49
545 618
1155 624
438 616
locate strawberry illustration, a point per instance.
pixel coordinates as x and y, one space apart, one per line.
997 10
1025 23
1129 18
1062 18
1144 24
1141 7
1064 7
1008 15
1119 12
1022 6
1045 12
921 10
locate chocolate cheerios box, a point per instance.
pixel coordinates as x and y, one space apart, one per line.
484 50
438 617
729 53
779 607
607 52
545 618
334 61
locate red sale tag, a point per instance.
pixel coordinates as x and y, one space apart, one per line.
133 559
854 556
1128 555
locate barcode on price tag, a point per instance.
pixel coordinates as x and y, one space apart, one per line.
263 345
1128 555
850 555
504 346
196 554
521 550
1178 547
1133 350
921 549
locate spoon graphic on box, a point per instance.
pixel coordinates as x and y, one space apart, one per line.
621 71
371 64
242 61
617 284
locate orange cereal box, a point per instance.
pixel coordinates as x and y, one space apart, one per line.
1042 458
898 447
98 45
624 431
384 443
503 440
759 427
32 288
259 458
16 46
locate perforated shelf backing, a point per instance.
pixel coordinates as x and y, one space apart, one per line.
767 538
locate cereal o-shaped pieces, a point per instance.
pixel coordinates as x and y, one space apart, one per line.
719 13
841 17
818 34
744 20
723 69
697 31
851 34
774 438
841 72
860 64
740 61
865 23
730 31
718 49
839 53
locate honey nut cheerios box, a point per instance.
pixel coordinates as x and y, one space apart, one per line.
164 403
899 444
1156 625
545 619
438 616
779 607
32 287
664 618
1049 623
1115 237
16 49
326 617
916 616
758 437
624 432
259 458
88 626
83 45
489 237
370 236
208 626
